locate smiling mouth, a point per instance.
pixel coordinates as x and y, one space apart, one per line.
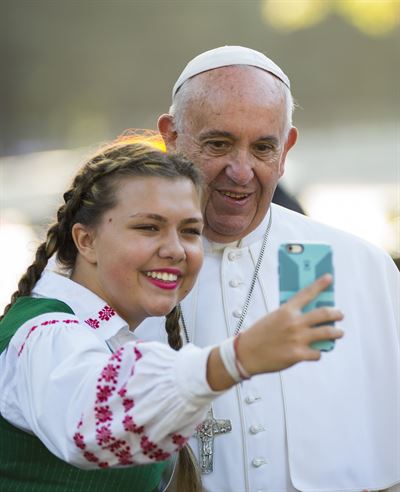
164 276
235 196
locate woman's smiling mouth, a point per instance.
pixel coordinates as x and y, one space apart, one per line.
166 278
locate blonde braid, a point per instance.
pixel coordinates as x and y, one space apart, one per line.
58 239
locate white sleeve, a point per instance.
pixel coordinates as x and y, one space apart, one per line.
92 408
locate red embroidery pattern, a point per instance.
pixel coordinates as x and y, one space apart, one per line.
104 392
45 323
152 451
106 387
103 414
130 426
110 373
122 391
128 404
103 435
179 440
93 323
138 353
117 355
105 314
79 440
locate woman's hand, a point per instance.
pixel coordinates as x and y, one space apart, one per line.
283 337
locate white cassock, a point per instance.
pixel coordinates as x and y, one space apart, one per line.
331 425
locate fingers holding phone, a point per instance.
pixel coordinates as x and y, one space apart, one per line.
306 279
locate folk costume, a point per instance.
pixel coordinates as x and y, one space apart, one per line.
331 425
80 396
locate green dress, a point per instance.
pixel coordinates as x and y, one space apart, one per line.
26 465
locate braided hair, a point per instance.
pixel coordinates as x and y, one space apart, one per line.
91 194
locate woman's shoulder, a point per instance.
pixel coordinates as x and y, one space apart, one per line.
27 309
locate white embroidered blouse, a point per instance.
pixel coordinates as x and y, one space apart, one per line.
94 394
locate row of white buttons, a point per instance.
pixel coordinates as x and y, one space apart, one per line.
253 429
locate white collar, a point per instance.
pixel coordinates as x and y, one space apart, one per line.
89 308
254 236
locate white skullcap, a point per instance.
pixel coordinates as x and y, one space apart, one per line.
225 56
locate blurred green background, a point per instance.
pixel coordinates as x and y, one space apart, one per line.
77 73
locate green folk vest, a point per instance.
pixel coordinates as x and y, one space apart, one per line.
26 465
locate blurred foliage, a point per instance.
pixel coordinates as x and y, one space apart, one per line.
372 17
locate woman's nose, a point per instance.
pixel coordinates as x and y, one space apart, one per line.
172 248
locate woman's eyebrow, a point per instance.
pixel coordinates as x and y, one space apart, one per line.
145 215
192 220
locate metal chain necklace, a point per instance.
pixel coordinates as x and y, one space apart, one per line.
251 288
212 427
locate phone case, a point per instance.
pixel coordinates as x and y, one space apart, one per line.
299 265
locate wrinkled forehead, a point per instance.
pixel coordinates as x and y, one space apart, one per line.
238 83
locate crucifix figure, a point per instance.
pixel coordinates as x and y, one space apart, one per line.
205 433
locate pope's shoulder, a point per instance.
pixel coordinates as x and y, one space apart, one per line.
295 226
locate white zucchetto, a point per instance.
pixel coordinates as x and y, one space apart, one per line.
226 56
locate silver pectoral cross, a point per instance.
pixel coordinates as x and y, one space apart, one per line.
205 433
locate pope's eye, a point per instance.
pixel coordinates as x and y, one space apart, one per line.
217 144
263 147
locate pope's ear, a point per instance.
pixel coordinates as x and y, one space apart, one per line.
84 239
290 142
166 127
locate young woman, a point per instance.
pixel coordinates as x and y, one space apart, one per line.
82 401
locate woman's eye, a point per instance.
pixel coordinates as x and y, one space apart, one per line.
146 227
193 231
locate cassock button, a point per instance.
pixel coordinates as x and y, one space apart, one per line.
257 462
237 313
255 429
251 399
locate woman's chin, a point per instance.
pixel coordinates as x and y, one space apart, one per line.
161 309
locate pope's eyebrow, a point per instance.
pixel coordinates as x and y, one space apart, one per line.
269 139
216 134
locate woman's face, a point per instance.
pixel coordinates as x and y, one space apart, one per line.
147 250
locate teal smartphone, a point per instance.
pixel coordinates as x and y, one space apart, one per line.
299 265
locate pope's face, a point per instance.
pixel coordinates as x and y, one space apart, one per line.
234 130
147 249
